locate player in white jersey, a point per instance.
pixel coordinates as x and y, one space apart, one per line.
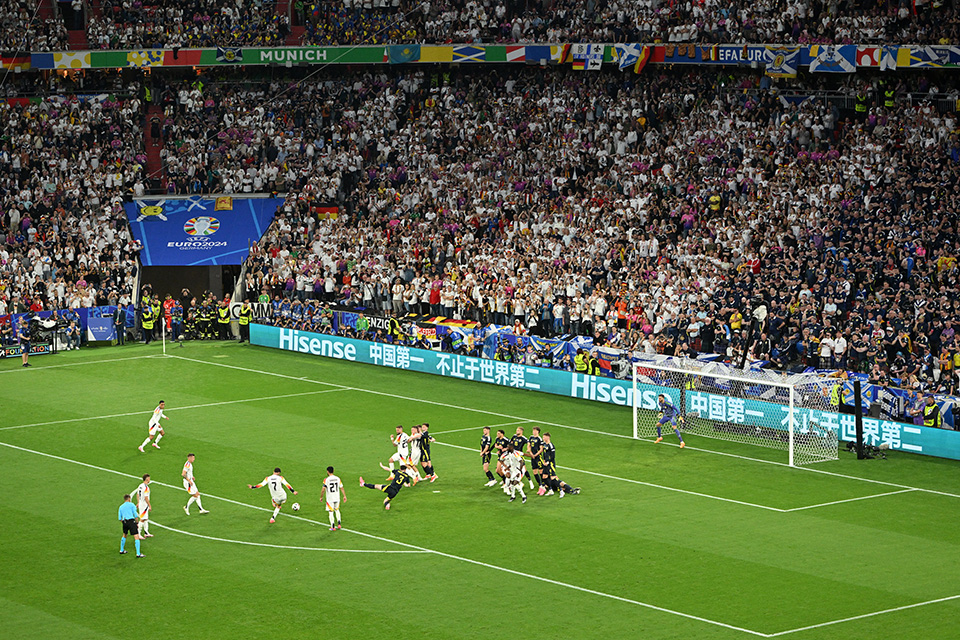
275 484
142 494
402 455
333 494
154 427
513 470
413 442
190 484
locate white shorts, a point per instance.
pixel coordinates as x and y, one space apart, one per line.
154 428
190 487
142 512
399 458
333 506
279 500
415 459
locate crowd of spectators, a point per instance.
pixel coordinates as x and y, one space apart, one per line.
195 24
65 166
206 23
665 213
658 215
22 30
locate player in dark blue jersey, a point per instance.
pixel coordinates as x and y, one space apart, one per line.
669 414
486 448
398 478
549 471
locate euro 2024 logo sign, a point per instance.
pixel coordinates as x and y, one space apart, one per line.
201 226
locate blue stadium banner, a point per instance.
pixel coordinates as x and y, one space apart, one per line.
450 365
199 231
943 443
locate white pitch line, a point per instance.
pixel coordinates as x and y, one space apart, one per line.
283 546
860 617
826 504
646 484
192 406
419 549
483 426
567 426
558 583
77 364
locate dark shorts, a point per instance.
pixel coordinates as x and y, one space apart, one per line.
535 463
666 420
550 469
485 458
424 456
129 527
392 491
25 345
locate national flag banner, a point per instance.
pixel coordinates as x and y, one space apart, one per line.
326 212
586 57
643 59
626 55
72 60
148 58
403 53
888 58
516 53
229 54
923 57
224 203
868 56
782 62
469 54
710 53
538 53
833 58
436 54
560 53
15 60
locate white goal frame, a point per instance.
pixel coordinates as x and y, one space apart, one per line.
808 394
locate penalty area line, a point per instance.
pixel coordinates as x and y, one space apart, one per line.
861 617
645 484
283 546
419 549
827 504
573 428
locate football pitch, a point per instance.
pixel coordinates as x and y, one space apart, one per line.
717 540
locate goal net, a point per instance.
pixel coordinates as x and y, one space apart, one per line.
792 413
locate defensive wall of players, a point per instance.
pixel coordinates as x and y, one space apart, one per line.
897 436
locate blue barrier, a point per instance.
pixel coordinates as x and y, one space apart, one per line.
943 443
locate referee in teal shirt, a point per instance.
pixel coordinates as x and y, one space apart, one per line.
128 518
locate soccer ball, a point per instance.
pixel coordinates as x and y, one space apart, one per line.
295 506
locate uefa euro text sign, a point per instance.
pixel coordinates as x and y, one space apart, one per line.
936 442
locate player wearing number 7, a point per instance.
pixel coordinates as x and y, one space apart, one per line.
275 483
669 414
333 493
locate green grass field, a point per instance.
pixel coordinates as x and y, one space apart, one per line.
717 540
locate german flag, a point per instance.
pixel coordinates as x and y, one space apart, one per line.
642 60
15 60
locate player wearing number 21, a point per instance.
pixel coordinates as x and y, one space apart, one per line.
275 484
332 494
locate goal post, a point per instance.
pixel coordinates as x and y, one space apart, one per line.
793 413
